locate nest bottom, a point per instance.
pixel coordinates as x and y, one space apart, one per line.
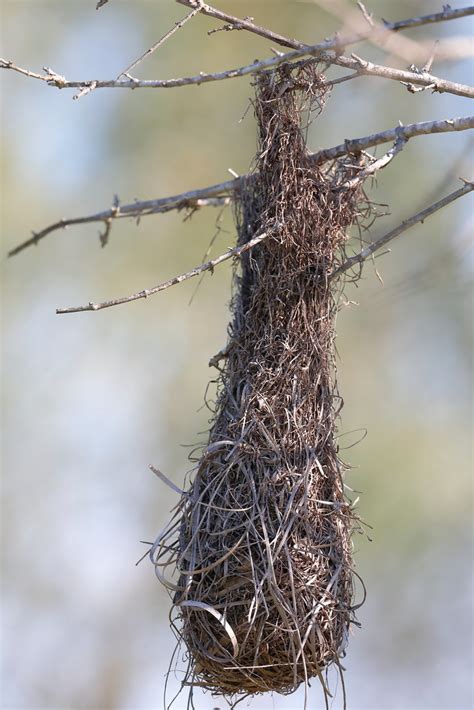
268 603
262 655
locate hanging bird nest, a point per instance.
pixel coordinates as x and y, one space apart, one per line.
260 543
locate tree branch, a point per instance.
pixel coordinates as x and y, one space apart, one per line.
177 26
361 67
384 34
320 51
448 13
406 224
221 193
208 266
242 24
237 251
194 199
337 42
411 130
377 165
418 78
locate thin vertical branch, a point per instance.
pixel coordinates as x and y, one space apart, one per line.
161 41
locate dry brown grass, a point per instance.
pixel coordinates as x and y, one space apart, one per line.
262 539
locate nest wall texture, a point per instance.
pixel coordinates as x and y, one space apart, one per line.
261 541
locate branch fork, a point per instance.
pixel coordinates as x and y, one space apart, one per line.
329 51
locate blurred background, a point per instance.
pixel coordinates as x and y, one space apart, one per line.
91 399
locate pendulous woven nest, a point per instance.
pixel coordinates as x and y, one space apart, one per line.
260 543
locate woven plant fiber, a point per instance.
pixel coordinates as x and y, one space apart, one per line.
260 543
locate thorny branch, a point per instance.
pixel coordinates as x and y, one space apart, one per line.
237 251
377 165
160 42
329 51
337 42
221 194
208 266
391 41
242 24
360 66
384 34
192 200
421 78
406 132
406 224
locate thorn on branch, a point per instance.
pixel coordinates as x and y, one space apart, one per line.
104 236
54 78
416 89
363 64
425 70
376 165
366 14
86 90
230 27
114 213
429 63
145 293
100 4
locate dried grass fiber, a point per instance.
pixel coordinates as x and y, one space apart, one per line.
261 540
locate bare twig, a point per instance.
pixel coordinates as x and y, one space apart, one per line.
361 67
429 63
319 51
237 251
242 24
337 42
220 194
195 199
208 266
426 68
406 224
382 35
448 13
421 78
377 165
100 3
228 27
50 76
177 26
410 50
366 15
406 132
